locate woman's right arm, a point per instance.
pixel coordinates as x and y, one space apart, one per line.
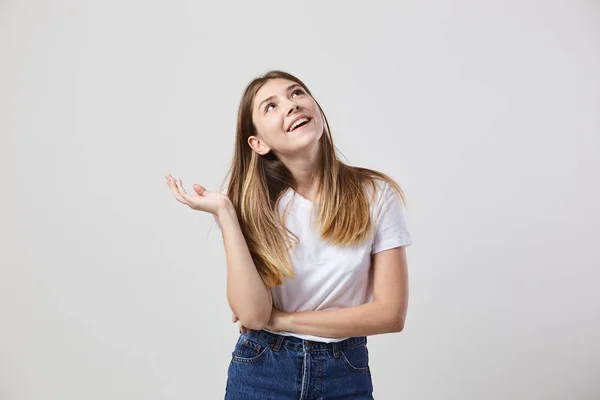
249 298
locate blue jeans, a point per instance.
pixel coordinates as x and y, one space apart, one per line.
267 366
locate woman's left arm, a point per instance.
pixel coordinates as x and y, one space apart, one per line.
385 314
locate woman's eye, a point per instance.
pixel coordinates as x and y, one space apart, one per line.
299 91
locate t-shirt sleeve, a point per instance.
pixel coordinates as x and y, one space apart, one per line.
390 228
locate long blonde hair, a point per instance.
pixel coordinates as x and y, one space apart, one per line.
257 182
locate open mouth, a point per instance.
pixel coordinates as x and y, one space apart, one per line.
301 124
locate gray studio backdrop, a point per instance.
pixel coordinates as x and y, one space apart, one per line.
486 113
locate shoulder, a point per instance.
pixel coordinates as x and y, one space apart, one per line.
376 190
376 184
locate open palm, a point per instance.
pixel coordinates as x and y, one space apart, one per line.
202 200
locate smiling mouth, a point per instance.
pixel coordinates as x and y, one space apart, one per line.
302 125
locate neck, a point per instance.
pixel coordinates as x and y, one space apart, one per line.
304 170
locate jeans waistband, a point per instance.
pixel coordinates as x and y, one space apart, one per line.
277 341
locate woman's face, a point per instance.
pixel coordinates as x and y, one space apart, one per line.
278 111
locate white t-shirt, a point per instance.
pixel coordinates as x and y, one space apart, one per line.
332 277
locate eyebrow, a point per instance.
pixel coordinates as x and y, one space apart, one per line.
272 97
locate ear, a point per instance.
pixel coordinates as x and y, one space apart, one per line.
258 145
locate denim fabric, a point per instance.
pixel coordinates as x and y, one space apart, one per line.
267 366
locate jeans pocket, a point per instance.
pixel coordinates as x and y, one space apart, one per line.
249 350
356 358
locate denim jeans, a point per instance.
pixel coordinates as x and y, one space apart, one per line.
267 366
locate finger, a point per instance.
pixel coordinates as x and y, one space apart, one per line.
179 186
172 182
199 189
186 197
243 329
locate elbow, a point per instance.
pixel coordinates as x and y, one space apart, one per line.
396 317
256 326
257 323
264 319
253 316
398 326
396 323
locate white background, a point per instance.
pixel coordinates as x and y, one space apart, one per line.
486 113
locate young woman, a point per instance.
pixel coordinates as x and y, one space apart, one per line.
315 251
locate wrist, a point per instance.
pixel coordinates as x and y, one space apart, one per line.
287 322
226 211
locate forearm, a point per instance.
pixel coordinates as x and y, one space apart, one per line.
364 320
247 295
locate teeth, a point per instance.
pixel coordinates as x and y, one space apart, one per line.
304 119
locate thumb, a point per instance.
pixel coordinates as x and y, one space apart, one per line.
199 189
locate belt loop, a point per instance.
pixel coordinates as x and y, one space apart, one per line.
278 342
336 351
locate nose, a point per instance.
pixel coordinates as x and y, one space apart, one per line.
294 107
